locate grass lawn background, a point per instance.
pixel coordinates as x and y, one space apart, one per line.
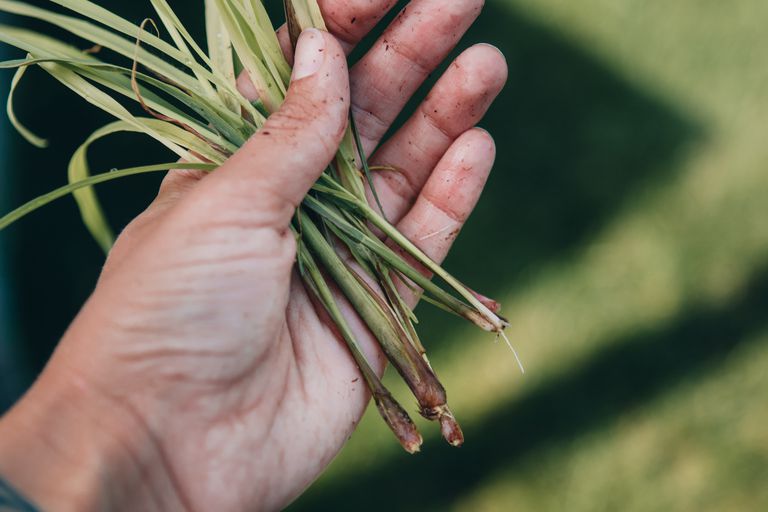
625 229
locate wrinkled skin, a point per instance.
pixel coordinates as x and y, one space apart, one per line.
200 375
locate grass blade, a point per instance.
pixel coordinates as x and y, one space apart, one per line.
364 162
66 190
391 411
79 171
23 131
220 50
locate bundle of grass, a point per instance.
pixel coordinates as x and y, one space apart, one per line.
197 112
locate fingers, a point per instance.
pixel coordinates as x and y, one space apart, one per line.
351 20
449 197
408 51
273 171
458 102
348 20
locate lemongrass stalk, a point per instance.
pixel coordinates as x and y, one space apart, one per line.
419 377
391 411
402 241
414 369
375 268
481 314
355 236
404 313
425 386
348 174
433 406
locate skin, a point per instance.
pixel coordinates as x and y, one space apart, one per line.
199 375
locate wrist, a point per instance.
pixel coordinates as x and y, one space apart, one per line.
67 446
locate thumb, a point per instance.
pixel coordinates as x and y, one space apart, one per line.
275 169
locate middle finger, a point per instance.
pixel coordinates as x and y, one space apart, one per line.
414 44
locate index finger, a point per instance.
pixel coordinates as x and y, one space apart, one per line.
349 21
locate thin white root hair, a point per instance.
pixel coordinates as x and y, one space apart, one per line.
512 348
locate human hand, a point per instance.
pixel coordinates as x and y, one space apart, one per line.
199 375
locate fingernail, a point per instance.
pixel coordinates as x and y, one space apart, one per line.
310 54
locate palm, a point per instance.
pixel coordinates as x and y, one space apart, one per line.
262 385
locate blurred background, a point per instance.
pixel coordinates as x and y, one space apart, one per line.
625 229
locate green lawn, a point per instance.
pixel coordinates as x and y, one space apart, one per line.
626 229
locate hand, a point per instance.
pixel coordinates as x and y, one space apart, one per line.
199 375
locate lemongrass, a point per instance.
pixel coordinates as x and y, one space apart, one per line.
197 112
393 413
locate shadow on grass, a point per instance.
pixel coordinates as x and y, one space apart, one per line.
630 372
55 262
575 142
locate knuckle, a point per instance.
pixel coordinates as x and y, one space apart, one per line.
351 19
295 114
305 120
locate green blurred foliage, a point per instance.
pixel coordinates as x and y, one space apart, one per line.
625 229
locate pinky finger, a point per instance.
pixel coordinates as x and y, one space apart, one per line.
449 197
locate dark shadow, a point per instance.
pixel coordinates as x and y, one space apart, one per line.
628 373
55 261
575 142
